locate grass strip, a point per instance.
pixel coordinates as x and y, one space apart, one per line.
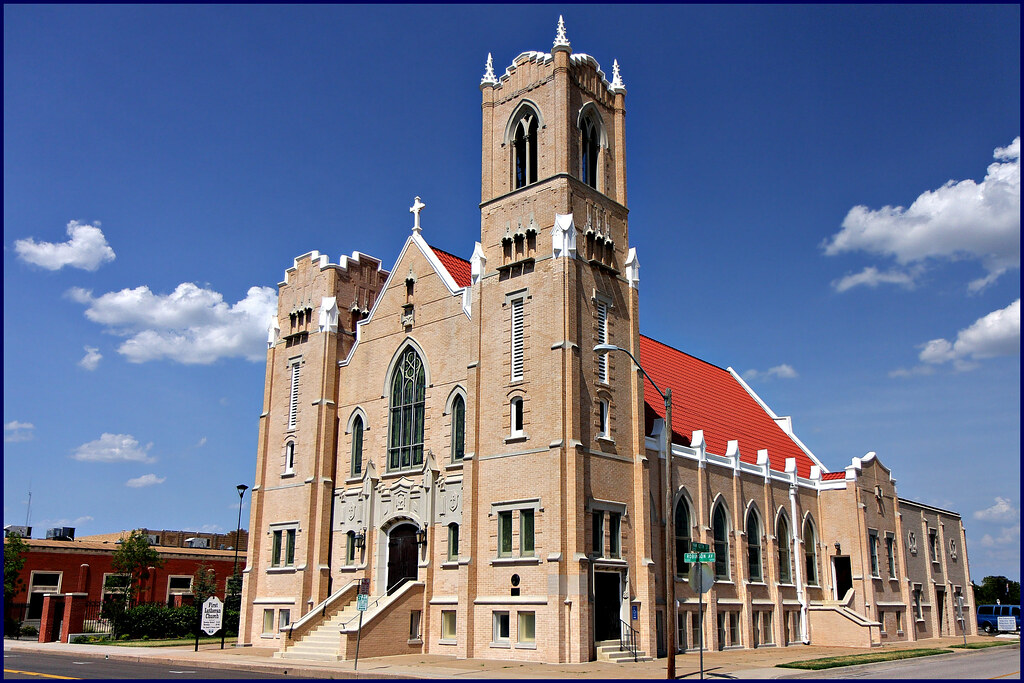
166 642
982 645
867 658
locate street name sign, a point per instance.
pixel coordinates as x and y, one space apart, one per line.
699 547
212 615
691 557
706 557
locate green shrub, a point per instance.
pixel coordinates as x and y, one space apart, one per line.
12 628
157 621
30 631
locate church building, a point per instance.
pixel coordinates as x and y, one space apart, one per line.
445 439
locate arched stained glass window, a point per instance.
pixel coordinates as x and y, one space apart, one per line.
682 523
720 529
458 428
524 150
753 546
408 389
810 549
588 166
785 542
357 446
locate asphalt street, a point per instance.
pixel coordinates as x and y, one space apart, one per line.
992 663
48 666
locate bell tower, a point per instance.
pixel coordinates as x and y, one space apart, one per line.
557 426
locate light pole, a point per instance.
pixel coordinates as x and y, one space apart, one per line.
241 488
670 581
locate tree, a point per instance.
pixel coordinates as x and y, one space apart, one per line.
131 560
204 584
999 588
14 561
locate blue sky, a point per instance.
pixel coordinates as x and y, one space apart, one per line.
826 199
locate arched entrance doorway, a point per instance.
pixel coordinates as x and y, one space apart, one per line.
402 555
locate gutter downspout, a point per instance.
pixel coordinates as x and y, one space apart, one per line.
801 591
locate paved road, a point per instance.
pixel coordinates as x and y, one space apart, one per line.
995 663
47 666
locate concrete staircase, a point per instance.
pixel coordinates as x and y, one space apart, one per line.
611 651
323 643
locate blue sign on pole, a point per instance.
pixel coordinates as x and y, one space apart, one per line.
636 612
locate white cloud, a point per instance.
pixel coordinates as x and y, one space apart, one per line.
113 448
784 371
1007 536
1001 511
191 325
211 529
15 431
916 370
76 522
87 249
91 359
145 480
959 220
202 442
996 334
872 277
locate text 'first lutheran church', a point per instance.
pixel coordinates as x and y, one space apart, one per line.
446 435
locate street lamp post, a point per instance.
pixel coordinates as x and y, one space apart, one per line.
670 583
241 488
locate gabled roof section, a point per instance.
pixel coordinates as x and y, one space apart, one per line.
709 398
830 476
458 268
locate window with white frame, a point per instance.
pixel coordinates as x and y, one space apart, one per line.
873 550
268 621
357 446
526 634
415 616
284 619
458 428
890 554
178 585
784 542
350 548
506 513
526 533
408 400
753 546
289 458
720 531
500 628
39 584
505 533
517 339
293 394
810 553
516 417
614 534
449 623
602 338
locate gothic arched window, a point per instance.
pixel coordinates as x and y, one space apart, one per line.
524 150
720 529
408 389
753 546
682 522
589 151
458 428
357 446
784 542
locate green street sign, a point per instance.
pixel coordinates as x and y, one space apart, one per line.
706 557
690 557
699 547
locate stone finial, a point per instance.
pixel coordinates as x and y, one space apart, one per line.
560 38
489 78
616 77
477 264
415 209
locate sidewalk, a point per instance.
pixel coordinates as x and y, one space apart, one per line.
744 664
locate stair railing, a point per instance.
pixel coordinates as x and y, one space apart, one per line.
321 608
627 638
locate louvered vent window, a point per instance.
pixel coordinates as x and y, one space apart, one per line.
517 340
602 338
293 401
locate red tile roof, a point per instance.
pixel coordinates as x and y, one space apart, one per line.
457 268
829 476
707 397
704 396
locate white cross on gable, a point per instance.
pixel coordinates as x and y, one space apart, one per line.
415 209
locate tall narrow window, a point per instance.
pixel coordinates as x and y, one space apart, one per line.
682 523
350 548
597 532
408 389
890 555
602 338
357 446
615 534
784 542
604 417
588 170
933 545
753 546
720 528
289 458
517 340
810 550
516 417
873 549
526 533
458 428
524 150
453 541
293 397
289 560
505 534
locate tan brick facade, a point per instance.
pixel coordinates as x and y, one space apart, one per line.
560 522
